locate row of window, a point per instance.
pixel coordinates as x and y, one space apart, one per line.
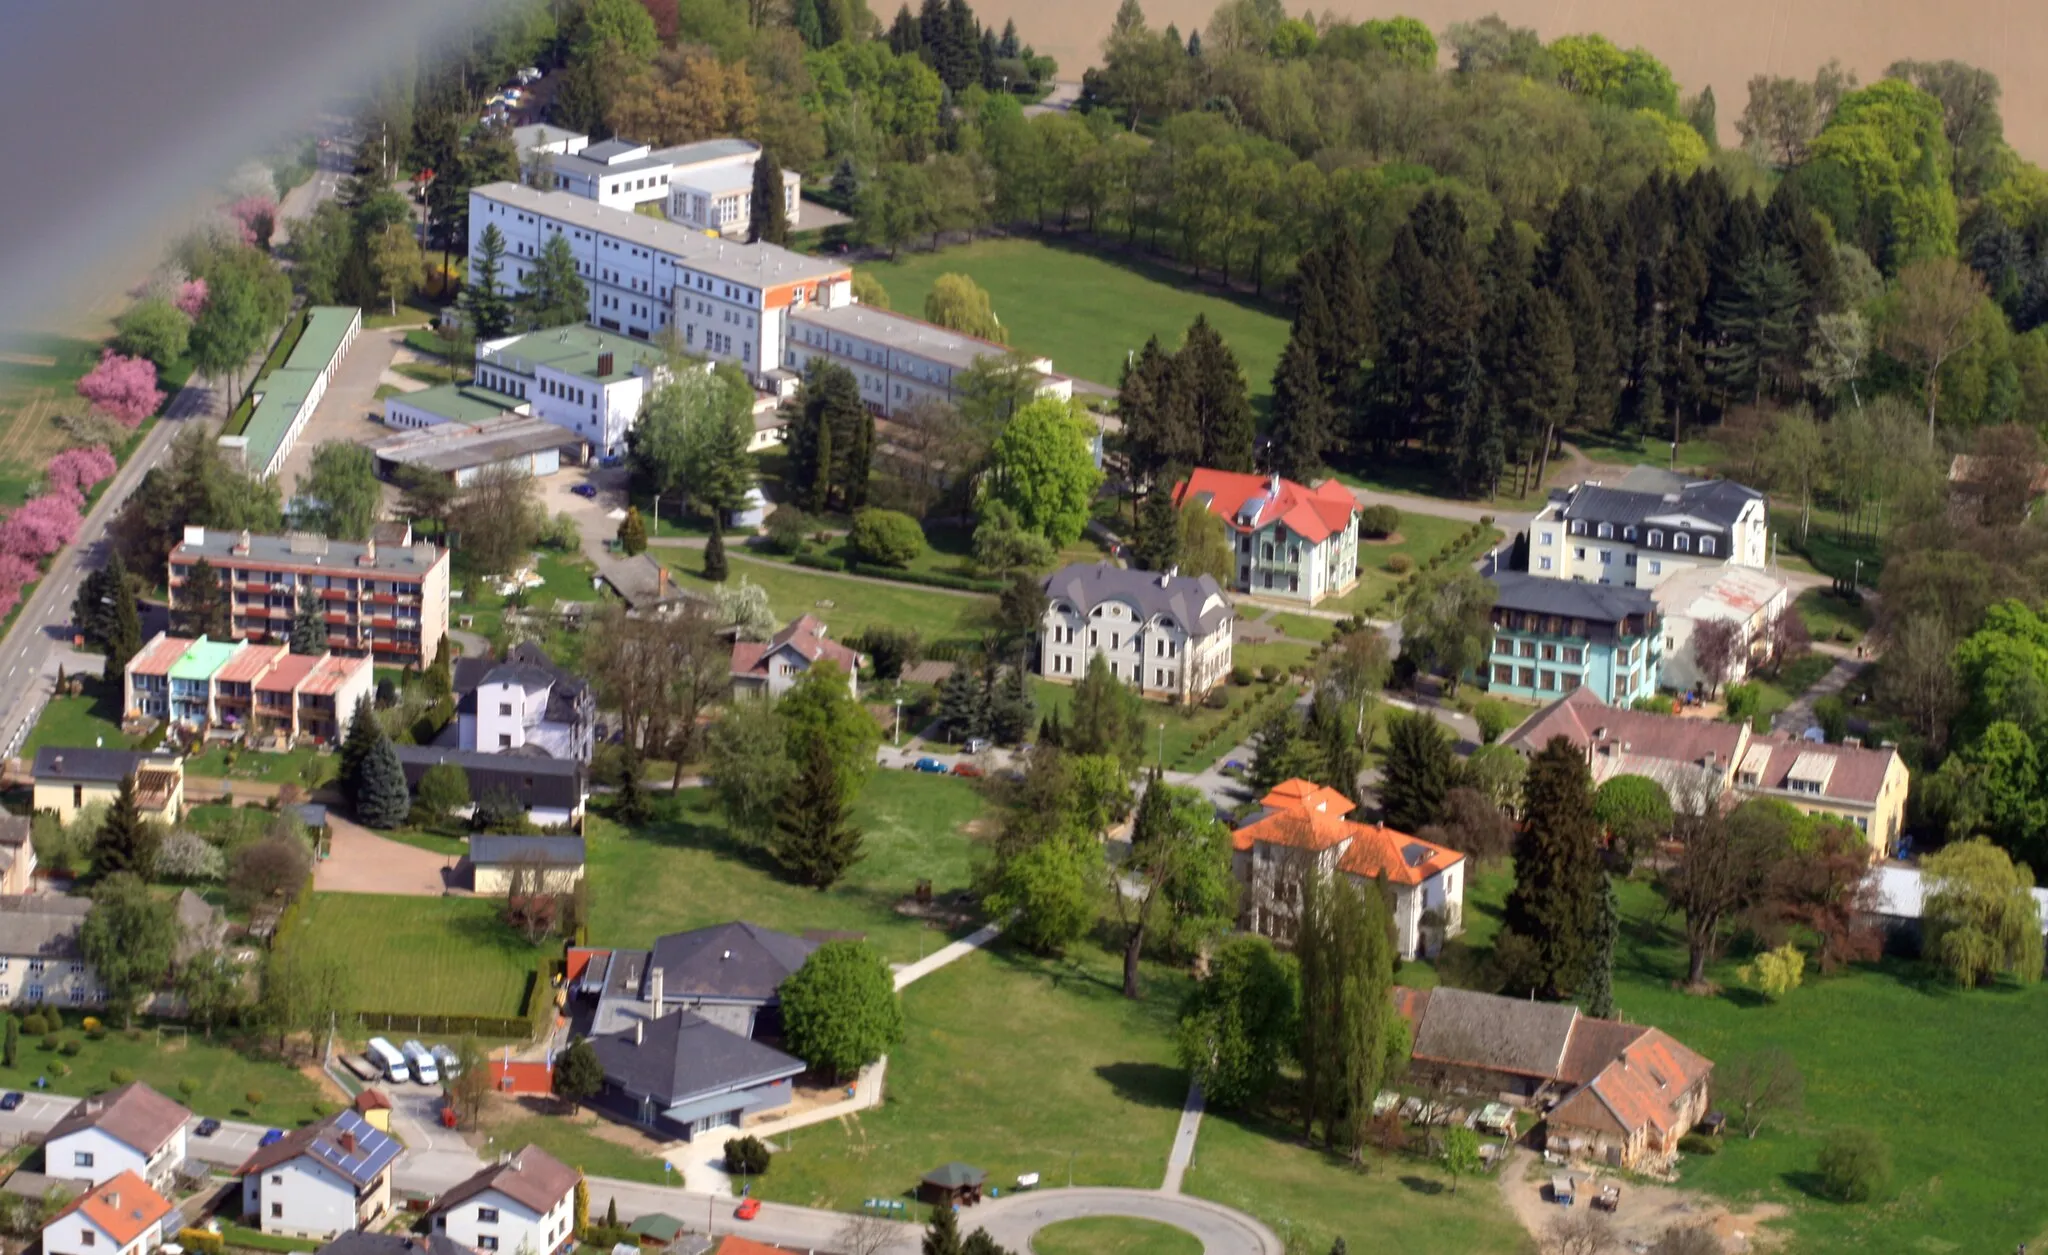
703 283
1543 681
1680 541
1244 578
1571 655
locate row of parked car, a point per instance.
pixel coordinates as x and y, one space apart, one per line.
429 1065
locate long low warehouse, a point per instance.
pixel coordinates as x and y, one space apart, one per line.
461 451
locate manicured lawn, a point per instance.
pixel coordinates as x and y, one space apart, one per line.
1302 627
687 870
949 550
1014 1064
223 1074
1828 616
1086 310
1940 1074
572 1140
307 766
1829 547
852 606
1419 538
450 956
1305 1195
1114 1235
93 718
1633 448
1286 655
1183 726
1779 691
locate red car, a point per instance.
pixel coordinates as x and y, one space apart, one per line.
748 1208
968 770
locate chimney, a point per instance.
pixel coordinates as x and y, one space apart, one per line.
1600 733
604 363
58 762
1712 760
654 992
639 1031
242 545
348 1143
369 554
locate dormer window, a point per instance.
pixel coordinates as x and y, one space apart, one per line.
1628 533
1578 527
1607 531
1656 538
1682 543
1707 544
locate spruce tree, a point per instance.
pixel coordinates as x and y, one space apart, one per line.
1303 419
1156 546
309 623
815 841
1592 330
963 705
382 799
124 619
1553 911
715 568
1279 753
1339 756
92 609
1542 380
201 607
943 1235
1156 432
1221 409
767 216
904 38
484 298
1012 713
631 805
124 842
1419 770
632 535
363 734
1596 992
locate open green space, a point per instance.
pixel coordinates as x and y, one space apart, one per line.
1309 1196
1938 1072
306 766
849 606
1287 656
1827 545
1013 1064
949 550
38 379
223 1075
1831 617
449 956
1086 309
1302 627
1634 448
565 577
1419 538
1777 692
1114 1235
91 718
1172 732
686 869
575 1141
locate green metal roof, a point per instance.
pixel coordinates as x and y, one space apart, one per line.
326 327
203 659
574 350
286 388
660 1226
459 403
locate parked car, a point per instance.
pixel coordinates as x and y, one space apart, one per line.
270 1138
1233 768
585 490
968 770
977 745
11 1100
931 765
207 1127
748 1208
449 1061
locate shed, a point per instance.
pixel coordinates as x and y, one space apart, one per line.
656 1228
374 1107
956 1183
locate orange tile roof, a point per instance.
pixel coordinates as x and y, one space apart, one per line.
1314 514
1303 815
124 1208
249 663
1642 1087
1399 858
157 656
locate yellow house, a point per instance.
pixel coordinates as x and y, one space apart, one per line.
1865 787
502 865
70 779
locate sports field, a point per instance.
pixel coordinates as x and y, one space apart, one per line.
1085 310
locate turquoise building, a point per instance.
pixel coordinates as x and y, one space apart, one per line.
1552 637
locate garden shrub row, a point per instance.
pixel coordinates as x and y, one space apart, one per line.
513 1026
934 579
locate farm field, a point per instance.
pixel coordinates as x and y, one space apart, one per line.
450 956
37 373
1085 310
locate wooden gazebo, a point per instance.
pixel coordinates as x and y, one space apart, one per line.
956 1183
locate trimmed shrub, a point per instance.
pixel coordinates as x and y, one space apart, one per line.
1240 675
1216 700
1379 521
50 1041
886 538
1399 563
933 579
120 1076
748 1155
60 1068
202 1241
70 1047
819 561
1855 1167
254 1097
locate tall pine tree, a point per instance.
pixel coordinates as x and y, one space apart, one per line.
767 216
1304 421
1156 544
1553 913
1596 994
382 799
815 841
1220 408
309 623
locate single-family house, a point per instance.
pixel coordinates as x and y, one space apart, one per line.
525 1202
129 1129
524 701
1746 598
769 668
70 778
357 1242
1558 636
17 854
1648 527
1169 636
550 789
1303 826
551 864
1697 760
121 1216
320 1180
40 958
683 1076
1619 1094
1293 542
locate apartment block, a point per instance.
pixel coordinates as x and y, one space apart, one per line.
898 360
1648 527
1168 636
384 600
1552 637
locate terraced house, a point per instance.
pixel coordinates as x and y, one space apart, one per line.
265 691
1293 543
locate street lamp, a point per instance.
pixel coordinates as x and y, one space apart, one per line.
1162 747
898 738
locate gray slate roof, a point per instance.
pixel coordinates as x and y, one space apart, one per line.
40 926
486 850
737 961
1499 1034
535 779
683 1056
1601 603
357 1242
1186 598
304 549
72 762
1654 494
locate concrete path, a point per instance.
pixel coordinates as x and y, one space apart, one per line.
349 410
1012 1219
360 861
946 954
1798 717
1182 1156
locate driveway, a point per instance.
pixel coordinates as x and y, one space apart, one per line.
350 410
360 861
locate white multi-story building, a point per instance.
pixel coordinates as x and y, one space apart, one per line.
129 1129
525 703
725 300
525 1202
1651 525
898 360
1168 636
708 184
578 378
322 1179
1292 541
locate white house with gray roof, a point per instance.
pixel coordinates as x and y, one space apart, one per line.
708 184
1650 526
580 378
898 360
1167 635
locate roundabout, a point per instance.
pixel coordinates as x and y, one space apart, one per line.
1015 1219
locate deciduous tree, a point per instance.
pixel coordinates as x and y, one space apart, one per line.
839 1010
129 937
1178 872
1238 1025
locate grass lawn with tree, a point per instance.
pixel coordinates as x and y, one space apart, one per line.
577 1140
1085 310
91 718
1831 617
686 869
449 956
223 1074
855 605
1182 726
1419 538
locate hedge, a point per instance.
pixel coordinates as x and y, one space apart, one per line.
288 919
515 1027
540 998
935 579
820 561
204 1241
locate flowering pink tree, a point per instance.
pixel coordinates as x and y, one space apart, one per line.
191 297
256 216
77 470
41 526
15 572
122 388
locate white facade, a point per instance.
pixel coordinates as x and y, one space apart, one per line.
97 1156
75 1233
1156 651
713 197
305 1198
898 360
1443 893
1644 553
599 409
1747 598
495 1221
708 184
511 715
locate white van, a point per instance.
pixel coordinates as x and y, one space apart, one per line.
422 1060
386 1056
449 1061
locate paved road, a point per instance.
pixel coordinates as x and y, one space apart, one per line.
1012 1220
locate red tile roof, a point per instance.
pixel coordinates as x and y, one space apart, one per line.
806 636
1586 721
1303 815
734 1244
1858 773
333 672
1641 1087
285 676
1314 514
124 1208
249 663
1395 856
157 656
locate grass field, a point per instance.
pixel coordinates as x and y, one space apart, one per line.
307 767
1085 310
92 718
1420 538
1114 1235
1013 1064
1828 617
224 1075
851 606
450 956
38 374
574 1141
687 870
949 550
1938 1072
1171 731
1302 627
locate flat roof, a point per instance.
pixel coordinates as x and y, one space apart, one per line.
310 551
703 150
203 658
572 350
286 388
326 327
580 163
717 180
899 331
456 402
458 447
526 137
755 265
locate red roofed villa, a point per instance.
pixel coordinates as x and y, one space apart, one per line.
1295 543
769 668
1303 820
